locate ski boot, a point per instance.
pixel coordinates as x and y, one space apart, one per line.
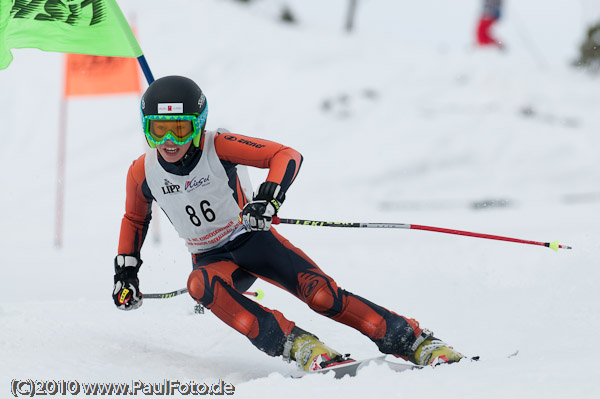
432 352
311 354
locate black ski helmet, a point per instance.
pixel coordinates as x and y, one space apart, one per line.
175 95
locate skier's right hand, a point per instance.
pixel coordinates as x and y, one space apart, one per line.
126 291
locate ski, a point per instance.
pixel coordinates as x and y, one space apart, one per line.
351 369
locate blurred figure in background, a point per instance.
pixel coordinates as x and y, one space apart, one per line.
491 13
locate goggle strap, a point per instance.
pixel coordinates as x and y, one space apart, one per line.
196 139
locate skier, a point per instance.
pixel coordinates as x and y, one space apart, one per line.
491 13
191 173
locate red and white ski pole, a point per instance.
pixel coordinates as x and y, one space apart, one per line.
303 222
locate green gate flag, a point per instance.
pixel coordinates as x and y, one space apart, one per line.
95 27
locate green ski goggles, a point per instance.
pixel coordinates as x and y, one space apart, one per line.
180 129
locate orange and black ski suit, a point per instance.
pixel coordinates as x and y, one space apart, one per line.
221 275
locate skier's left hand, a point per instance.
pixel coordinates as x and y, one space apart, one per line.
258 214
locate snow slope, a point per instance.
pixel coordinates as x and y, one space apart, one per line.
402 121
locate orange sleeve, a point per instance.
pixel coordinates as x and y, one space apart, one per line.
283 162
138 211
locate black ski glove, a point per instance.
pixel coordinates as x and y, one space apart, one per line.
126 291
258 214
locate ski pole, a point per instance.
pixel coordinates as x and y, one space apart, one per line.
166 294
303 222
258 294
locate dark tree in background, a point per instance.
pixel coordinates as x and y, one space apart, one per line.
287 15
350 15
589 50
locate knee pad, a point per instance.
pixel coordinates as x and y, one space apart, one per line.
199 286
325 298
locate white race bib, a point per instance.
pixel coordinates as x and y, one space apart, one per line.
201 205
